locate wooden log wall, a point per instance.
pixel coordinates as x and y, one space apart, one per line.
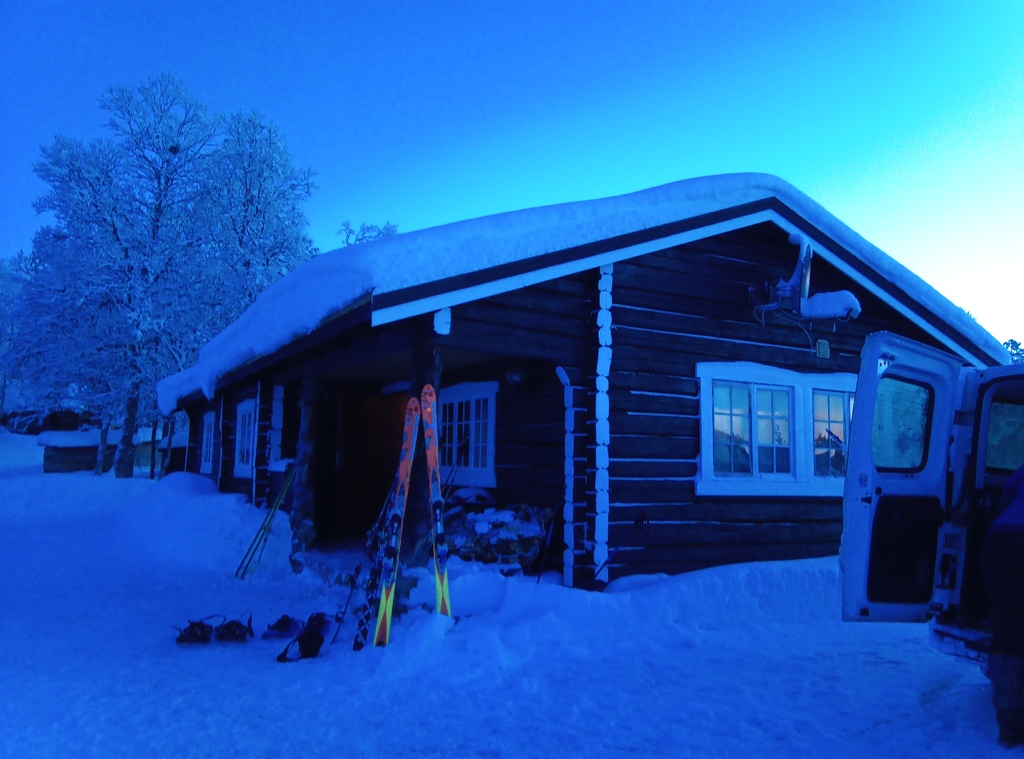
75 458
529 453
290 428
670 311
550 325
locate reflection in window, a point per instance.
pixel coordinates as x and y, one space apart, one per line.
832 414
900 427
732 428
773 443
735 405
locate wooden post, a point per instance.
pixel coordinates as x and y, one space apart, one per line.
303 507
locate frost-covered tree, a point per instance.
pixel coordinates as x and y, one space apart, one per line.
1016 351
12 279
366 232
163 234
256 196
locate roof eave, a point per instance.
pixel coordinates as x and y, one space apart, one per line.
451 291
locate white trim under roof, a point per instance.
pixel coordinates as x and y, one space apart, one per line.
506 284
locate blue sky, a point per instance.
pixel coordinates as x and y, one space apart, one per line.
906 120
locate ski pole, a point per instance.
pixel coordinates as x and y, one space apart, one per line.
259 543
340 618
461 454
277 507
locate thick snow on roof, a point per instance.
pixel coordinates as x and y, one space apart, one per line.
328 284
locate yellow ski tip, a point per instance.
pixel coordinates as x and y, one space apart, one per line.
382 633
443 603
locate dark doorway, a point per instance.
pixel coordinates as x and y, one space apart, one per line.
358 442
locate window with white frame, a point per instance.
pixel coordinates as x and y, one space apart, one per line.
245 437
467 433
767 430
832 410
206 451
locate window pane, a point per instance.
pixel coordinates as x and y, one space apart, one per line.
835 405
822 461
1005 449
782 460
722 422
738 399
831 420
741 460
900 424
741 429
722 399
782 432
723 458
731 420
820 434
820 403
773 430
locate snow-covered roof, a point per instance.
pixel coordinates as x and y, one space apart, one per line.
333 282
72 439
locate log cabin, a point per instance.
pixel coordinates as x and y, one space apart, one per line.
670 372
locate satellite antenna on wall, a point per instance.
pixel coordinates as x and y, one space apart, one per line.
840 305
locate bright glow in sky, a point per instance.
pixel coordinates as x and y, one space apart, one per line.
905 120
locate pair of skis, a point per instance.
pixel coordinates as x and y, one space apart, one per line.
386 540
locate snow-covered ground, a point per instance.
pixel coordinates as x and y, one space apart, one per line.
742 661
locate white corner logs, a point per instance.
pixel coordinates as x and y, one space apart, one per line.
602 433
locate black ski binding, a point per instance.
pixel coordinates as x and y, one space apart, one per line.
284 627
234 631
197 631
310 639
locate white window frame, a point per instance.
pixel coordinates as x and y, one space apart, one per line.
842 444
469 475
801 481
206 450
245 450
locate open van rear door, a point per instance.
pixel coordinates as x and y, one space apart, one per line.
896 481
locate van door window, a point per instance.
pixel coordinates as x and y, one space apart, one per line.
1005 449
899 433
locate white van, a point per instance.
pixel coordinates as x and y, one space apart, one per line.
931 444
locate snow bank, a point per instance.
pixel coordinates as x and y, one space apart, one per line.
78 496
19 452
331 283
747 660
182 521
73 439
